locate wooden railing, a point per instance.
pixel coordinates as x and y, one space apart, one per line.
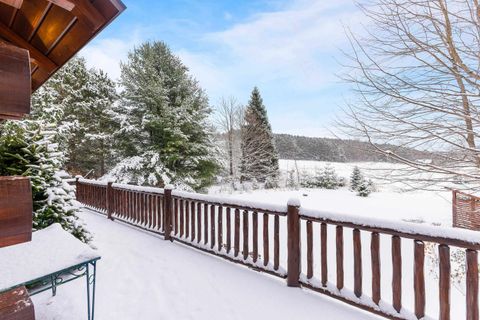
465 210
305 246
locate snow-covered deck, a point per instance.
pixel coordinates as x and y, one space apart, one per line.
141 276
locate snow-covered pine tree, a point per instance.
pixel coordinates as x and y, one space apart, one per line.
259 154
328 179
28 148
356 178
364 188
81 101
165 136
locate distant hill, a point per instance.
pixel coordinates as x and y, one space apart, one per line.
337 150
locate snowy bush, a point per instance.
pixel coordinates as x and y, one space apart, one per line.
28 148
364 188
324 179
271 182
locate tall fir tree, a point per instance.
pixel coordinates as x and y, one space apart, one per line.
30 148
259 154
81 102
165 134
356 179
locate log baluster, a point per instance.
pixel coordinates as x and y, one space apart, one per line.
187 219
205 222
265 239
339 257
229 229
182 217
236 242
444 281
276 242
323 253
212 227
309 228
199 222
245 234
357 263
192 219
220 228
419 278
397 273
255 236
375 255
472 284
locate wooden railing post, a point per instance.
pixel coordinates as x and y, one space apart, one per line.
167 217
293 229
77 193
109 200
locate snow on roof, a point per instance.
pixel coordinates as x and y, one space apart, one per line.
51 249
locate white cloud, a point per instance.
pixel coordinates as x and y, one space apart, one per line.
296 44
107 53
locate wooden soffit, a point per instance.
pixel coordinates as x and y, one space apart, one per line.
53 31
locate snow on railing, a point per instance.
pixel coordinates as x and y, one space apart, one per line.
244 231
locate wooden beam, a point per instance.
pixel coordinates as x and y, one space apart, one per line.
86 12
65 4
43 61
17 4
39 22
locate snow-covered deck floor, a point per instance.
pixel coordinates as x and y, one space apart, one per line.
141 276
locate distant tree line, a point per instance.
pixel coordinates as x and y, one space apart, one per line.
339 150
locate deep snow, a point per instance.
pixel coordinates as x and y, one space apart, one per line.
141 276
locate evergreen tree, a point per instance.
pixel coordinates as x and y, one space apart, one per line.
81 102
356 178
328 178
365 188
165 125
259 154
28 148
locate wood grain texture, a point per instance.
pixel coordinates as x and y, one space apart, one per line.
419 278
323 253
397 273
16 210
375 261
444 281
357 263
14 82
472 285
16 305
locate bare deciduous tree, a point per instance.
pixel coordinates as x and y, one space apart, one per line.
416 75
228 119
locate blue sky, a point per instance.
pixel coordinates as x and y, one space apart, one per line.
291 50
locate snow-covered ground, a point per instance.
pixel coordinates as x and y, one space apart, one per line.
141 276
390 202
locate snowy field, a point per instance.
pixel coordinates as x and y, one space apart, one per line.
389 202
141 276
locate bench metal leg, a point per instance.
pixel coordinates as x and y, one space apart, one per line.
91 277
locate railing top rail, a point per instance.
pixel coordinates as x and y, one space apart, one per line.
93 182
137 188
467 195
234 203
442 235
